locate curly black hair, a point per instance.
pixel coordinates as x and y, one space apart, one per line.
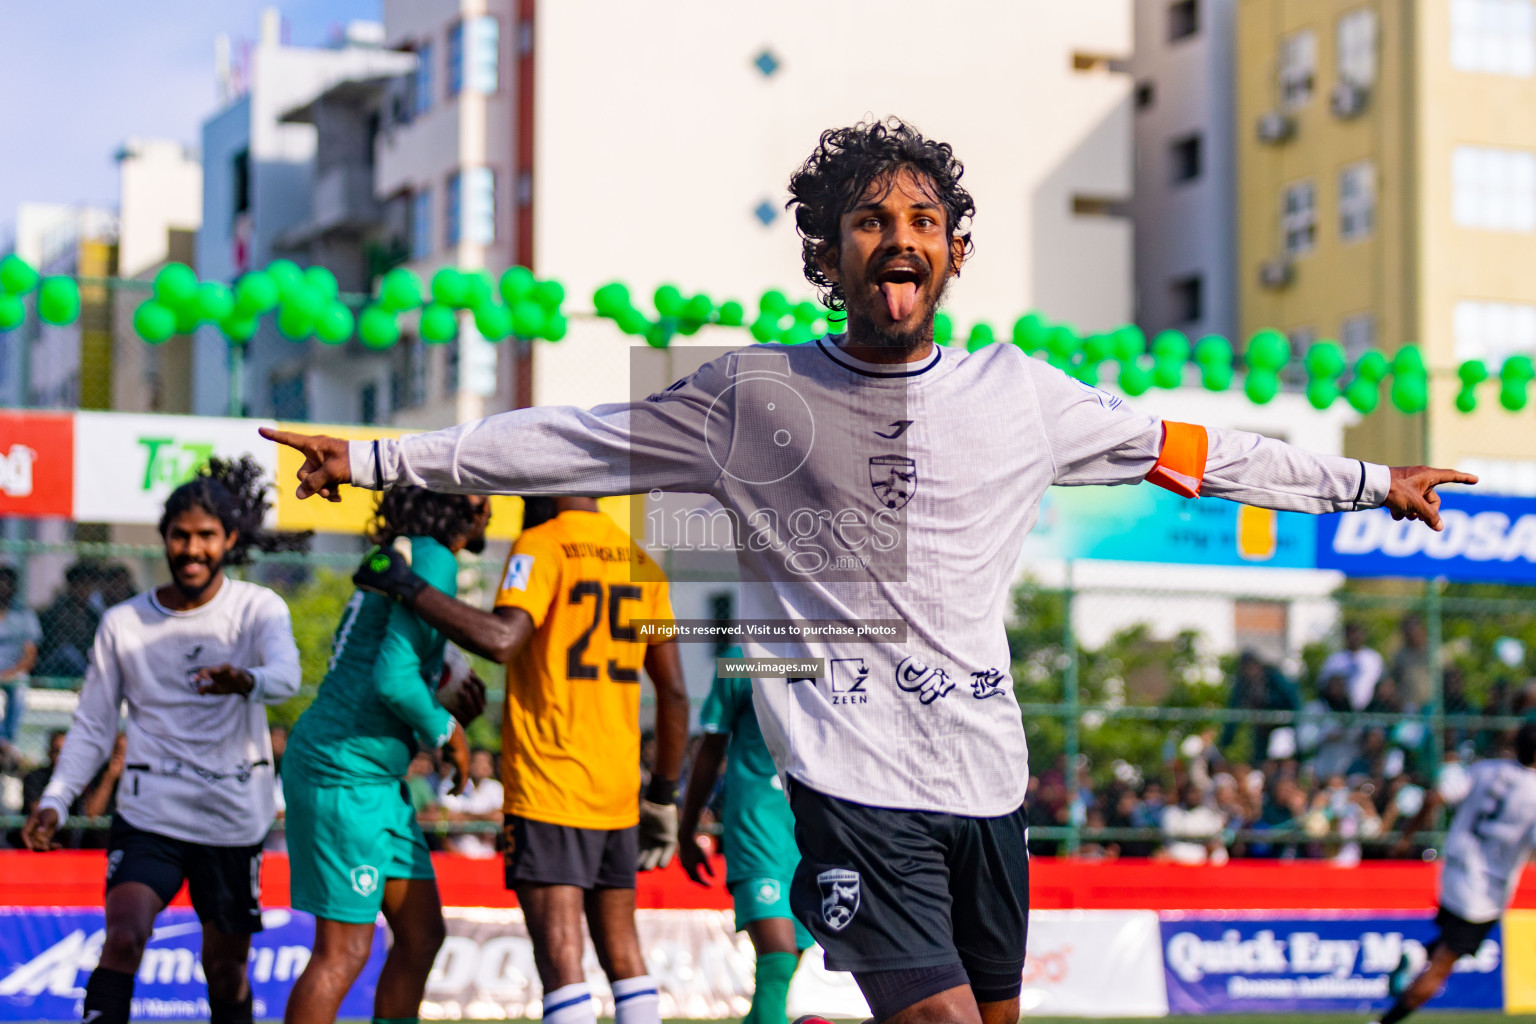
409 511
841 169
233 492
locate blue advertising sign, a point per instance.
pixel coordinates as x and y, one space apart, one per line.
1486 539
1260 964
47 953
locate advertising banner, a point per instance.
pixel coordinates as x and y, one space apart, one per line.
1486 539
1519 961
1247 963
1094 963
1149 524
37 452
126 464
47 954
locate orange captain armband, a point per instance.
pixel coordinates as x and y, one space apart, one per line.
1181 466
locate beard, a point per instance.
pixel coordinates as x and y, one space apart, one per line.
865 330
188 590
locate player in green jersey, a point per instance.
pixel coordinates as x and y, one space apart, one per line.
759 839
354 846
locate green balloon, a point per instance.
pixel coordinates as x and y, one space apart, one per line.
186 319
1363 394
16 275
659 334
1098 347
12 312
1167 372
154 322
799 334
377 327
175 285
806 312
943 329
731 314
1130 342
494 321
518 283
294 324
1466 400
400 290
1029 332
1135 379
528 319
555 328
698 309
438 322
239 329
982 335
1370 367
1261 386
1512 395
449 289
1062 341
1088 373
1171 345
633 322
256 293
1472 372
303 301
287 276
1268 350
549 294
765 328
1325 361
1517 368
1410 392
335 324
1213 350
215 301
687 328
1216 376
1322 392
668 300
774 302
323 283
478 289
58 300
1408 360
609 300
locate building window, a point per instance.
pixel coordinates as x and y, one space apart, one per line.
1495 37
1298 68
1358 334
421 224
478 205
1494 189
1184 159
421 81
1183 19
240 181
1298 221
1146 95
484 55
289 400
1357 201
368 404
1357 47
451 206
1493 331
1188 298
416 368
1099 206
456 58
450 369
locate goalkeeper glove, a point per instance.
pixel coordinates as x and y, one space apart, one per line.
385 571
658 834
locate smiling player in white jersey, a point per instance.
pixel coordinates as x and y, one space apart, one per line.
197 661
874 476
1491 837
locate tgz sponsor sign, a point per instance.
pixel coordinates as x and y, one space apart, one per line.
1485 538
1224 964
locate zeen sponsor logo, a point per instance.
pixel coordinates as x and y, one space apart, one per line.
1193 957
1489 536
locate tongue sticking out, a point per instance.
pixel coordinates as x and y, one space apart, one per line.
900 297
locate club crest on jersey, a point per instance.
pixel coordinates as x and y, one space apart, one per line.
839 897
894 479
365 879
519 572
767 891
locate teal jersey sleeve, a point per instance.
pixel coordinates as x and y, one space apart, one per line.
411 654
724 703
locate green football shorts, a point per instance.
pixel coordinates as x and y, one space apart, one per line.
344 842
758 898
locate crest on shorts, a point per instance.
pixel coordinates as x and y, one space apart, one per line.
113 860
365 879
839 897
894 479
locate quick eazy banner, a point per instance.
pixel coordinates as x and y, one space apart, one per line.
1487 539
1230 963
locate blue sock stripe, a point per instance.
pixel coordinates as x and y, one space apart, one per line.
569 1002
630 995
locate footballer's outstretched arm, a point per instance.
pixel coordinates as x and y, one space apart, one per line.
665 668
495 635
702 776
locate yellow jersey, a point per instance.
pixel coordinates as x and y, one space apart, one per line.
570 735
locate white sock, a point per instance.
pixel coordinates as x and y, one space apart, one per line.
570 1005
635 1001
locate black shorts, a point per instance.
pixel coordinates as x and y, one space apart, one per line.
539 853
1459 935
883 889
224 881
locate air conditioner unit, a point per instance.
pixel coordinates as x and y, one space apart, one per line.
1276 274
1275 127
1348 100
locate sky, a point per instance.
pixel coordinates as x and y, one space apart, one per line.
79 78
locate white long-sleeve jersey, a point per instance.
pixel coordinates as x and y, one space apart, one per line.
863 492
198 768
1491 836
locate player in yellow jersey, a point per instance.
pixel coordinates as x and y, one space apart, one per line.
563 625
